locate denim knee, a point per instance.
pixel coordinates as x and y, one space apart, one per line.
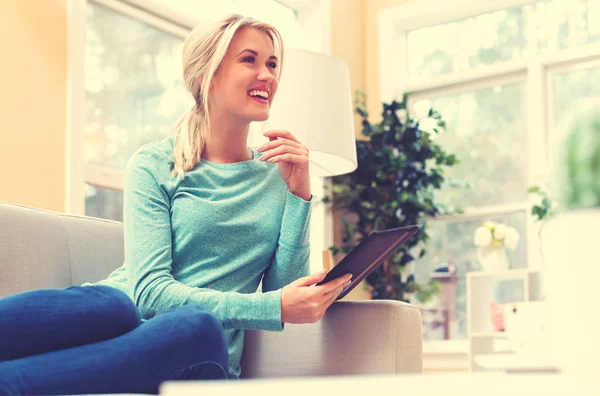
202 332
117 307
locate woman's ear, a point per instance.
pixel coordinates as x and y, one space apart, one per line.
201 79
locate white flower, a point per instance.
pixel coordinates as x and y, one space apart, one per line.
511 240
490 224
483 237
500 232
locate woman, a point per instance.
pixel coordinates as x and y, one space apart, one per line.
206 219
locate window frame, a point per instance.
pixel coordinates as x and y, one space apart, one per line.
535 70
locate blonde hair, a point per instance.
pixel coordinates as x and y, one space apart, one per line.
203 52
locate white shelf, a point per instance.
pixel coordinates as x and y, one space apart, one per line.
485 343
497 334
508 274
513 362
445 347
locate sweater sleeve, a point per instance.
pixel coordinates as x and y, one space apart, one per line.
148 256
292 255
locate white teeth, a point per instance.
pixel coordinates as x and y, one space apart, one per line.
262 94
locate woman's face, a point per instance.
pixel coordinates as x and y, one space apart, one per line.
246 81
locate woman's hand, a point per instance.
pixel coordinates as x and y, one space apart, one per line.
303 303
292 157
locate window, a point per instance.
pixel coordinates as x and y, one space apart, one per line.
507 77
571 93
134 95
126 87
483 122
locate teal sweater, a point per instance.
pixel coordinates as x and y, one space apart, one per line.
210 239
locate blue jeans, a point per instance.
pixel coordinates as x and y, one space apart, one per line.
91 340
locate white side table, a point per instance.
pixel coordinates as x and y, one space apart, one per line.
483 340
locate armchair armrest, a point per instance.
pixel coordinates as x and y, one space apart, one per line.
353 337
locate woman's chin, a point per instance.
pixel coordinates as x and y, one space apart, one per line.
258 117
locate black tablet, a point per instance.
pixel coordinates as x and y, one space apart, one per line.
369 254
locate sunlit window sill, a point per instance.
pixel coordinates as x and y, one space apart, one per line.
445 347
449 355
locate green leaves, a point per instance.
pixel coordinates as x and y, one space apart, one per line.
362 112
399 168
341 189
578 176
451 160
544 208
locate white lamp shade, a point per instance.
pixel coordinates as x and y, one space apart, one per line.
314 103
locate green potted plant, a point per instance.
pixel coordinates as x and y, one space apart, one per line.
544 207
400 166
569 244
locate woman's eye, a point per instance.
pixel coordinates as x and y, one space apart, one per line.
272 65
248 59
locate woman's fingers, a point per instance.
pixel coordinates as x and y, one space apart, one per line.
333 293
285 153
341 281
332 296
280 142
281 134
294 159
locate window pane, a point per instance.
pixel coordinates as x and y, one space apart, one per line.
134 88
270 11
486 130
467 43
503 35
574 92
281 17
452 241
103 203
567 23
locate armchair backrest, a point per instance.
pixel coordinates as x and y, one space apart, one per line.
43 249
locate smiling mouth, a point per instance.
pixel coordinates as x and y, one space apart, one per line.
259 95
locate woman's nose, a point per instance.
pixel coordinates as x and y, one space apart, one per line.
265 74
